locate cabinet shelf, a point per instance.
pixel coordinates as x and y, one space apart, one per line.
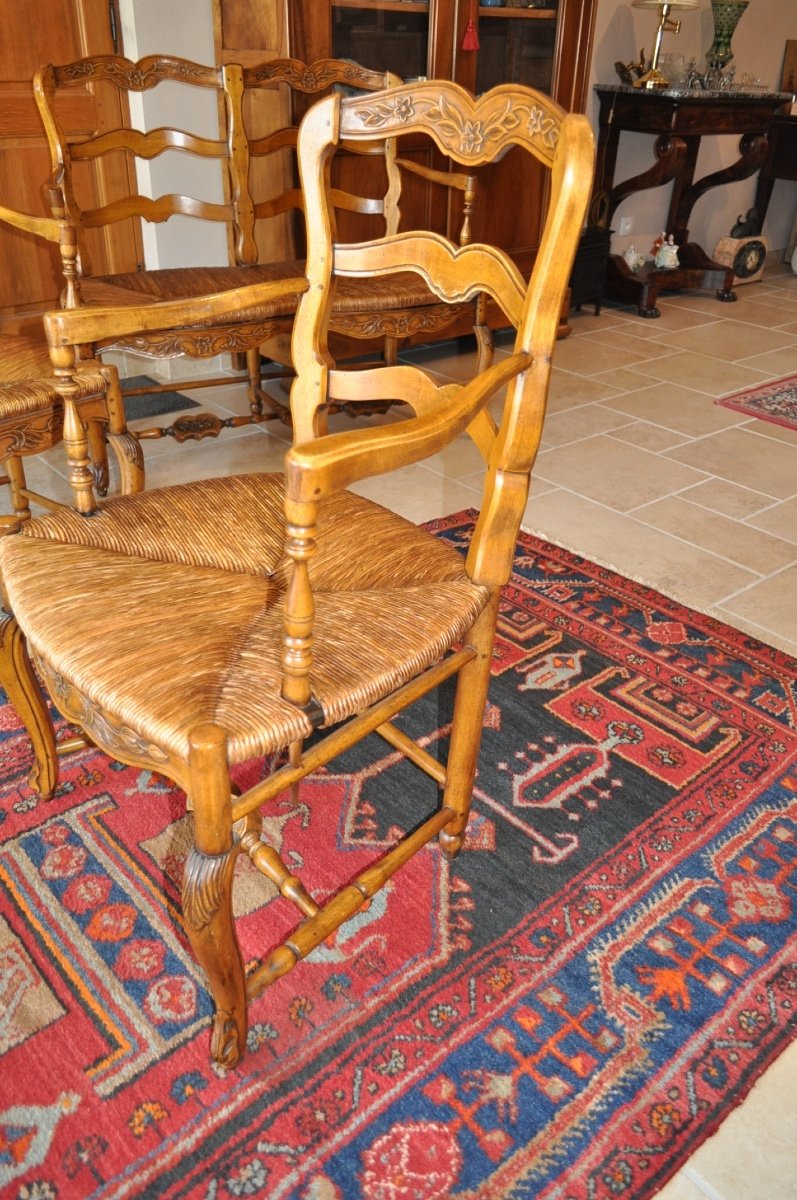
385 5
485 10
518 14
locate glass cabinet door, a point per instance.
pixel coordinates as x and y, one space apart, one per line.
384 35
516 45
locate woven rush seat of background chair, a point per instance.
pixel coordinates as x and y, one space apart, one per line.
227 603
404 290
182 283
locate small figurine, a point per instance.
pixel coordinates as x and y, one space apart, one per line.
748 225
629 72
633 258
666 257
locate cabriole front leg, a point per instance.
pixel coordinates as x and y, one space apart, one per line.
207 891
210 925
27 699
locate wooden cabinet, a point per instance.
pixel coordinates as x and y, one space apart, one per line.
547 48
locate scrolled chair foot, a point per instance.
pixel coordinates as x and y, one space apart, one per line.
226 1040
22 687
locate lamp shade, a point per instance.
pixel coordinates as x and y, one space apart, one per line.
661 3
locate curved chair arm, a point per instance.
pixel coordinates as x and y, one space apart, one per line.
60 231
333 462
53 229
73 327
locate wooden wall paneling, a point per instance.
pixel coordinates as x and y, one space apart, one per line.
30 281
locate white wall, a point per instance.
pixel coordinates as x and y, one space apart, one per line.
183 28
758 45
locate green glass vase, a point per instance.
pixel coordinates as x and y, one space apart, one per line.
727 14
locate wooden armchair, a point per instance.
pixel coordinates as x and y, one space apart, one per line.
236 617
31 421
31 410
256 172
91 185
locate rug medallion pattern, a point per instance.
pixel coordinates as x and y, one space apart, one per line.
567 1010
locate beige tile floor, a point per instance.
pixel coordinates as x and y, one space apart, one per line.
639 470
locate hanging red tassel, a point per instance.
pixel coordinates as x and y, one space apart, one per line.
471 39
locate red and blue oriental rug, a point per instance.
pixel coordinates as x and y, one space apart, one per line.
567 1010
775 402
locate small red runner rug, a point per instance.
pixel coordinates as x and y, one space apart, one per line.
568 1009
775 402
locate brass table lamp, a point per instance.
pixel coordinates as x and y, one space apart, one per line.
653 78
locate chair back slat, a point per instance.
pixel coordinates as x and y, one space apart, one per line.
92 202
147 145
454 272
165 206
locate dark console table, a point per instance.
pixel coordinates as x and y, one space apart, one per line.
780 162
678 118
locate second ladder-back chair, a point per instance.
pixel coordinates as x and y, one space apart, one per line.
282 618
31 422
94 182
371 185
31 409
256 173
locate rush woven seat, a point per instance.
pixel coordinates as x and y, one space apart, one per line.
182 561
203 625
32 421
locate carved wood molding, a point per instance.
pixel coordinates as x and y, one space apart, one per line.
31 435
206 881
402 323
202 343
313 77
141 75
464 127
120 741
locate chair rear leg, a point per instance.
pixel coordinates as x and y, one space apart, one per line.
126 447
17 485
207 892
472 687
253 368
485 346
23 691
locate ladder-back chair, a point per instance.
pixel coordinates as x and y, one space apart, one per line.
254 188
31 422
31 411
249 617
90 183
